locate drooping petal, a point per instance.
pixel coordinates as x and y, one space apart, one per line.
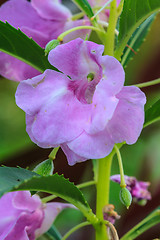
92 146
127 121
82 53
51 9
72 157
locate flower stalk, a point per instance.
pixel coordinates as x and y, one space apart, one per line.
103 186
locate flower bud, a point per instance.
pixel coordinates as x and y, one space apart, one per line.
45 168
51 45
125 197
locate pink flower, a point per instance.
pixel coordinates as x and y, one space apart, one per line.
138 189
23 217
41 20
87 109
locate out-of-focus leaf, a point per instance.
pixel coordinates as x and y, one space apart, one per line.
85 7
152 114
53 233
17 44
13 136
144 225
133 14
136 40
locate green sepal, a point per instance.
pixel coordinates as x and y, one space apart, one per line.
44 168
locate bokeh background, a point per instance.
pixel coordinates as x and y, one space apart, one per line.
141 159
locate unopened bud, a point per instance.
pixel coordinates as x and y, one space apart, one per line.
51 45
125 197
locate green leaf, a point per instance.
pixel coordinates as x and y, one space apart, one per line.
54 233
133 14
136 40
85 7
152 114
144 225
17 44
17 179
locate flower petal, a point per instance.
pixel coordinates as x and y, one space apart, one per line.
26 226
51 109
51 9
51 211
24 201
72 157
92 146
83 54
127 121
103 107
114 74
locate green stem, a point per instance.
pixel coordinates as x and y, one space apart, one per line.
77 16
122 184
49 198
52 155
61 36
75 229
147 84
144 225
86 184
110 35
103 185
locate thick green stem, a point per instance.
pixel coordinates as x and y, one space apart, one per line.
103 185
110 35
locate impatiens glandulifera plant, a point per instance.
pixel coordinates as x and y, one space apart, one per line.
74 97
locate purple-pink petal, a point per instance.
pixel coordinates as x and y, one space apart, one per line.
24 217
127 121
89 146
51 9
83 54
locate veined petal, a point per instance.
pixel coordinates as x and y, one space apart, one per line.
127 121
